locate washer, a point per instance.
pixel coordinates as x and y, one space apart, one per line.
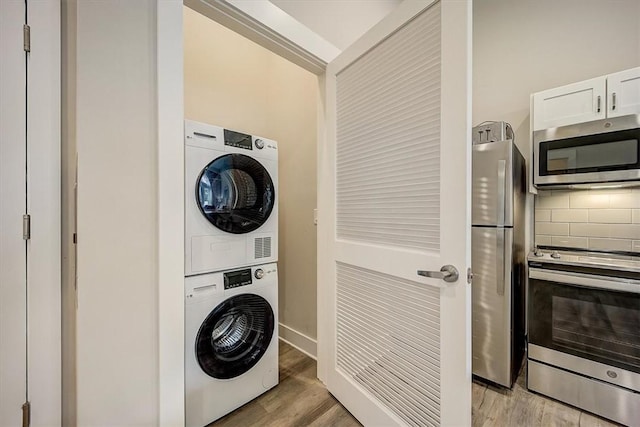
231 340
231 205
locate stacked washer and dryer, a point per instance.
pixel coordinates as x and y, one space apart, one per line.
231 284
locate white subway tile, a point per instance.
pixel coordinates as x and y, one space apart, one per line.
543 215
636 246
610 216
543 240
570 242
610 244
588 199
552 201
552 228
570 215
612 191
636 216
625 201
590 230
623 231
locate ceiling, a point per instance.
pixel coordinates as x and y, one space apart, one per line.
340 22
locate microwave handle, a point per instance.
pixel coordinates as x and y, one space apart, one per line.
599 100
586 280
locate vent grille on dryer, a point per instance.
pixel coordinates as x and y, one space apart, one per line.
263 247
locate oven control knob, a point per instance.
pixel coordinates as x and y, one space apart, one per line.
259 144
555 255
537 252
259 273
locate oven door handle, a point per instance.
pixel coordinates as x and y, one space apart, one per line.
587 280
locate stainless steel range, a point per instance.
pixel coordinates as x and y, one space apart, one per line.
584 331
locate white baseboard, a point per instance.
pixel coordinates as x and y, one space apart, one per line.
300 341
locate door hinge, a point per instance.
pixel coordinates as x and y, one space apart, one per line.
469 276
26 38
26 227
26 414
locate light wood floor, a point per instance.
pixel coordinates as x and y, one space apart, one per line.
300 400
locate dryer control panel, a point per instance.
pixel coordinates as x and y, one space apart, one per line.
234 279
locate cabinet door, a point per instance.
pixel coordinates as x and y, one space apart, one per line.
623 93
578 102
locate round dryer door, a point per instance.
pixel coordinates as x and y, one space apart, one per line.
235 193
234 336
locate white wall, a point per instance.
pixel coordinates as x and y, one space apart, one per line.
116 129
522 47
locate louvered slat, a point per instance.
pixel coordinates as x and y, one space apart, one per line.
388 341
388 136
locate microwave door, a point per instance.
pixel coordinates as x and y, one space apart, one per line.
492 184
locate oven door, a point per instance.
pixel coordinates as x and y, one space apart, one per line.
586 323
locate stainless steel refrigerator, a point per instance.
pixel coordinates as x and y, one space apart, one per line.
498 256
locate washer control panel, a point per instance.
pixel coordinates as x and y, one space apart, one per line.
235 279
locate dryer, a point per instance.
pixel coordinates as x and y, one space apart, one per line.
231 340
231 205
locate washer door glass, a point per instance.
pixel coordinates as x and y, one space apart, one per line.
235 193
235 336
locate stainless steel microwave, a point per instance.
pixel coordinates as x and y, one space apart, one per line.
600 151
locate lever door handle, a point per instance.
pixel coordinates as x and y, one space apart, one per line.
448 273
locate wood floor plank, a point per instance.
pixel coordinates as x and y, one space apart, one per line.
301 400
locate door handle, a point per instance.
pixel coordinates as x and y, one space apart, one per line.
448 273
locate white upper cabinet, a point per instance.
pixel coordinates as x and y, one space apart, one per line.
578 102
612 95
623 93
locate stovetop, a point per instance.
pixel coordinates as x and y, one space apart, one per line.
604 260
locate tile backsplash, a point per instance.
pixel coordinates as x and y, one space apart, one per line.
589 219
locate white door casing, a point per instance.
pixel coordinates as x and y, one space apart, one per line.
394 198
30 183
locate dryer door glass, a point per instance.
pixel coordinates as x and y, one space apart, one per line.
235 193
234 336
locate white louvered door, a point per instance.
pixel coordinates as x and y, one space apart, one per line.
394 198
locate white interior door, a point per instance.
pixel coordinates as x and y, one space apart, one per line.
394 198
13 275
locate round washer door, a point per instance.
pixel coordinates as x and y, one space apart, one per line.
235 336
235 193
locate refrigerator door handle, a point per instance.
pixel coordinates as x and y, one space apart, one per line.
502 191
500 261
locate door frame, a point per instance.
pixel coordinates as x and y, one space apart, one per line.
43 204
307 51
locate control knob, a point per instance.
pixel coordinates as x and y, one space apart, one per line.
259 144
259 273
555 255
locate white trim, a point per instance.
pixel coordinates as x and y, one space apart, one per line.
267 25
298 340
455 300
44 259
170 213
